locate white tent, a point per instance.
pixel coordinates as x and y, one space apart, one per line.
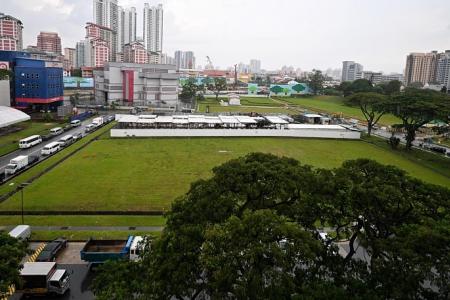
10 116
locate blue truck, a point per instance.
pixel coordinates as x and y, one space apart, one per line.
98 251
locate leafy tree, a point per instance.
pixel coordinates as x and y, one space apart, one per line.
5 74
298 88
76 72
220 84
122 273
391 87
11 253
361 86
315 82
418 107
372 105
249 232
74 99
276 89
189 90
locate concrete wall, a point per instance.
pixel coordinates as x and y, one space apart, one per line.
300 133
5 99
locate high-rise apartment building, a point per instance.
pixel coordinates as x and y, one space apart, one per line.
80 54
153 27
184 59
97 52
49 42
178 59
106 14
351 71
70 58
135 53
421 67
10 33
255 66
443 68
127 26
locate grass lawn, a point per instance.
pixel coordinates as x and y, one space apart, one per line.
148 174
248 104
85 235
84 220
335 105
10 142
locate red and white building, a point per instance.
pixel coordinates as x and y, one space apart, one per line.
49 42
99 53
10 33
135 53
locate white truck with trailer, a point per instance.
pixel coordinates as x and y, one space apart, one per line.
21 232
18 163
43 278
98 121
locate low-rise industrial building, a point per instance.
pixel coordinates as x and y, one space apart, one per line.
132 84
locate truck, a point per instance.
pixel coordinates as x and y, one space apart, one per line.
98 251
43 278
21 232
18 163
98 121
51 250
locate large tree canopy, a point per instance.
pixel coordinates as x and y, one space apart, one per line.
416 107
11 253
251 232
372 105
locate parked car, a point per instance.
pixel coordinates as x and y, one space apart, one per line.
51 250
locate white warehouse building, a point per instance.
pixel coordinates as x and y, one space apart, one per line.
130 84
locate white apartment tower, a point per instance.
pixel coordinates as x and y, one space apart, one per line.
127 26
153 27
351 71
255 66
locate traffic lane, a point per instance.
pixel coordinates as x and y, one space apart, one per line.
36 150
80 282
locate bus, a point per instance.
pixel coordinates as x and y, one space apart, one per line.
30 141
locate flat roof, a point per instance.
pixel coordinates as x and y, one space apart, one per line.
229 120
276 120
246 120
312 116
37 268
58 275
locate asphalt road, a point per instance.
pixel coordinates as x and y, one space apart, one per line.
36 150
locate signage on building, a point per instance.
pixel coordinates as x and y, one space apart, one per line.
53 64
4 65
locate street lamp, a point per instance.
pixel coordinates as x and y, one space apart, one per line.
21 187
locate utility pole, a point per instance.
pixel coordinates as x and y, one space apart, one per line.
235 77
21 187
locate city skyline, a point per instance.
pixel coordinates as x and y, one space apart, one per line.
325 36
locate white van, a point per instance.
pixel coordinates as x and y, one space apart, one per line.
56 131
90 127
51 148
75 123
21 232
66 140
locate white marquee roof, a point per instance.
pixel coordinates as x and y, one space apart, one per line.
10 116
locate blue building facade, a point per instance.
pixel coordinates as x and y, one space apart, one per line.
37 84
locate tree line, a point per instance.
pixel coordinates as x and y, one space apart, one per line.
251 232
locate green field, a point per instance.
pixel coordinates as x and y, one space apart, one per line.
9 142
334 105
85 235
262 105
148 174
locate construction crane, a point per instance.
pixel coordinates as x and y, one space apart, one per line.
209 65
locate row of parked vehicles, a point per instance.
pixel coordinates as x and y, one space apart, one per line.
22 161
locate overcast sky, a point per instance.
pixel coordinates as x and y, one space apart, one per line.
305 34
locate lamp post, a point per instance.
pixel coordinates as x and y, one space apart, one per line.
21 187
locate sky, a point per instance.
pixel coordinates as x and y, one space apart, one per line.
310 34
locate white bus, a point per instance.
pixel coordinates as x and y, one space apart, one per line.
51 148
30 141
